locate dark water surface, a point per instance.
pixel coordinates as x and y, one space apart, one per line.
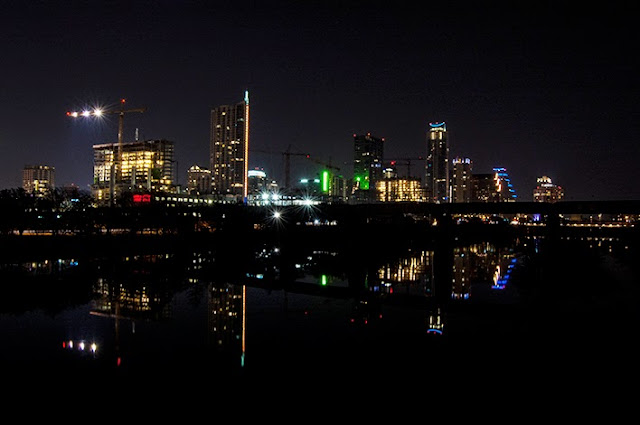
520 311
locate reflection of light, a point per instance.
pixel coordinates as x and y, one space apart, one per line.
434 331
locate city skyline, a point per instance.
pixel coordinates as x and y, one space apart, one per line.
542 92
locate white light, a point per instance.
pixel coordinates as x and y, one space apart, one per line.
276 214
74 114
86 113
97 112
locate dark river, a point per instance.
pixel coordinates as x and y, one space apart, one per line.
518 309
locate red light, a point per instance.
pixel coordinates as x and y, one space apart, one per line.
137 198
119 361
122 100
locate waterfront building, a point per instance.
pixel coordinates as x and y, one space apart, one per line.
38 180
367 166
437 164
147 166
546 191
198 180
229 150
461 180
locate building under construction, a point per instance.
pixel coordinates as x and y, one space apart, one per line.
146 166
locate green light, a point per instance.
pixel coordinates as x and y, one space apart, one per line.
323 280
325 181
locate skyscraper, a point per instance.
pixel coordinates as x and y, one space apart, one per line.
504 189
229 150
367 165
437 164
461 180
38 179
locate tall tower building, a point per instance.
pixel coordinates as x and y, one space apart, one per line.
38 179
229 150
461 180
367 165
437 164
503 188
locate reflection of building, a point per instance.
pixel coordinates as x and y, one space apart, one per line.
437 166
146 166
227 318
38 179
229 150
546 191
408 275
461 180
477 264
367 165
198 180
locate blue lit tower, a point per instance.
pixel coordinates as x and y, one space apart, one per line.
229 149
504 191
437 164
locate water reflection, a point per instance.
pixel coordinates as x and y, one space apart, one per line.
197 312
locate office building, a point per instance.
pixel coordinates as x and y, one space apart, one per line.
461 180
38 180
437 164
483 188
229 151
198 180
147 166
367 166
546 191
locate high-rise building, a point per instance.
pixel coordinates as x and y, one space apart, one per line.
367 165
146 166
483 188
229 150
546 191
38 179
461 180
199 180
437 164
504 189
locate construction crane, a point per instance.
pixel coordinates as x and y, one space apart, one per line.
324 164
408 161
286 155
98 112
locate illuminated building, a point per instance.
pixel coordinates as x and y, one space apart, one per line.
229 150
38 179
546 191
482 188
461 180
437 164
226 319
199 180
400 190
146 166
367 166
503 188
257 182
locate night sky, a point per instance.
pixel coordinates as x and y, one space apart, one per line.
539 88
